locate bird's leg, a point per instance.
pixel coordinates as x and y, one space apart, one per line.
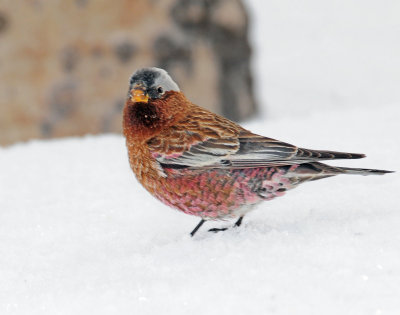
216 230
239 221
197 227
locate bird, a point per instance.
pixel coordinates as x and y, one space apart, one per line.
206 165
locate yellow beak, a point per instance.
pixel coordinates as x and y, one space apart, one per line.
139 95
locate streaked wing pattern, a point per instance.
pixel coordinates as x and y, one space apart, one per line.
241 150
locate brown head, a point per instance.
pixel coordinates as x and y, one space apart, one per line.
154 103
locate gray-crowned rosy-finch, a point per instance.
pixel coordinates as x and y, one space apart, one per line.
206 165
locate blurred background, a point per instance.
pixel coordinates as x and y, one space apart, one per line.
64 65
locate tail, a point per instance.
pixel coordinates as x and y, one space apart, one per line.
363 171
316 170
324 170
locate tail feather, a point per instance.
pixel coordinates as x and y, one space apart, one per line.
328 155
363 171
324 169
316 170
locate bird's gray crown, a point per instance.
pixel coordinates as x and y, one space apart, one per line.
153 78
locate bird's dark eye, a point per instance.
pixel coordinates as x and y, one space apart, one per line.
160 90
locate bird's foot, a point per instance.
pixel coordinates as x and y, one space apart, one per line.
237 223
216 230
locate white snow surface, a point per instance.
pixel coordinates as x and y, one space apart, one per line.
79 235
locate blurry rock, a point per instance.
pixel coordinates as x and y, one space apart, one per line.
64 65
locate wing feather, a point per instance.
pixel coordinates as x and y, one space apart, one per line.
216 142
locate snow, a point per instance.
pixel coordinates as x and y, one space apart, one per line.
79 235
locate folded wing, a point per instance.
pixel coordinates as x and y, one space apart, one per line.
212 144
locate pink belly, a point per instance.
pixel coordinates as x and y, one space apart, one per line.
220 193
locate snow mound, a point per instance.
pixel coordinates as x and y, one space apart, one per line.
79 235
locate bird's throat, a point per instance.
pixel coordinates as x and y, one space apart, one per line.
141 119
